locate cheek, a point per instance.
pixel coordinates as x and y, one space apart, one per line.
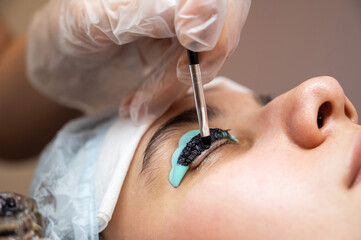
257 199
223 204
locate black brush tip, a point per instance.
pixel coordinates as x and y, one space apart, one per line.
207 141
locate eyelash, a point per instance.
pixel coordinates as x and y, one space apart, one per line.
201 159
195 148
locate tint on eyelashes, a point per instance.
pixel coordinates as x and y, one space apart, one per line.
190 146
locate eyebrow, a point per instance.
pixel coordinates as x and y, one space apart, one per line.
165 131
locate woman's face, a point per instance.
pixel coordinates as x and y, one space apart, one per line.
291 176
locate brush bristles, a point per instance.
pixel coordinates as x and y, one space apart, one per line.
207 141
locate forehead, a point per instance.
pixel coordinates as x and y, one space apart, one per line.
220 97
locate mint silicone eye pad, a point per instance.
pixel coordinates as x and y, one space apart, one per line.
190 146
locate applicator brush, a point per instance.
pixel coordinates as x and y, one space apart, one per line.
199 99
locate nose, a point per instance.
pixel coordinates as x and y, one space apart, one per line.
313 110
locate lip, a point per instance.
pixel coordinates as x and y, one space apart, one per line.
355 166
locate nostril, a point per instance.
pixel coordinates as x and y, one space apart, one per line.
319 120
323 114
348 112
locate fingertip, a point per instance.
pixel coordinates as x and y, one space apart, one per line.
195 44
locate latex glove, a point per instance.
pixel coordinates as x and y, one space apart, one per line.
91 54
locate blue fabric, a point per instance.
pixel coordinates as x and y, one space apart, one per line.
64 186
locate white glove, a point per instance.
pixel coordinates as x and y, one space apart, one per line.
92 54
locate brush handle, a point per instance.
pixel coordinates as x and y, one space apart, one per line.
199 99
192 57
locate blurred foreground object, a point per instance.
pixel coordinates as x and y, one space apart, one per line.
19 217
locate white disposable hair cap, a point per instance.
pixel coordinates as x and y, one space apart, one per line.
81 173
119 147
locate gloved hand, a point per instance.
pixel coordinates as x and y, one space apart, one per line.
91 54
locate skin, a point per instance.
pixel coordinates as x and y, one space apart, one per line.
287 179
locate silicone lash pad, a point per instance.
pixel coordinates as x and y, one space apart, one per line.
189 147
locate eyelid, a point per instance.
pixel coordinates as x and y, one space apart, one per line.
202 159
191 146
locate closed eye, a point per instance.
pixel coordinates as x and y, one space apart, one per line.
201 159
194 146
